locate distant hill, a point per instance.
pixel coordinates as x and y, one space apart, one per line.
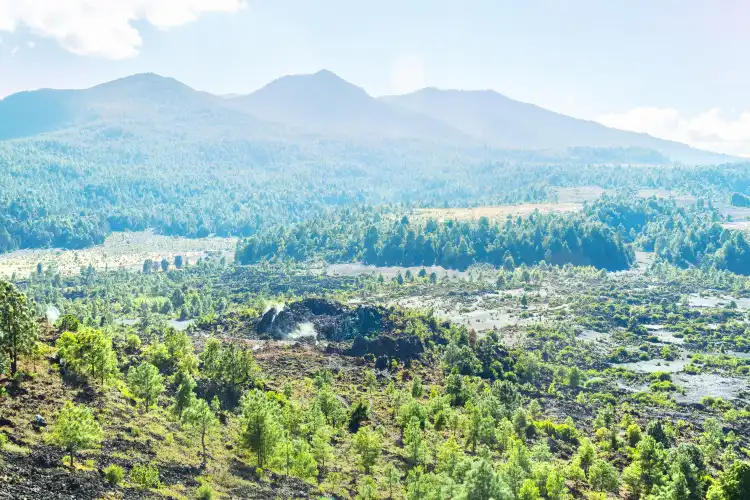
150 152
324 103
501 122
326 111
144 102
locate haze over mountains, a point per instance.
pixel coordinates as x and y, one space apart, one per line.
320 105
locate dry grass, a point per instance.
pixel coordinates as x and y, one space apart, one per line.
119 251
742 225
579 194
497 212
682 199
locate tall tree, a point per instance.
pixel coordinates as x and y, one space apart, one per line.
145 382
18 332
202 421
88 352
261 431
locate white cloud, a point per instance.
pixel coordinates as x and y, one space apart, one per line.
104 27
709 130
31 45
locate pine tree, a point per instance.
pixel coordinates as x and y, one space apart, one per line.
76 429
18 332
145 382
413 441
321 446
367 445
261 431
88 352
201 420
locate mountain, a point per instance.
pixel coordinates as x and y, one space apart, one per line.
322 110
325 104
501 122
139 103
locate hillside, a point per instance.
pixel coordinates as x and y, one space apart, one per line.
504 123
150 152
140 105
326 104
307 108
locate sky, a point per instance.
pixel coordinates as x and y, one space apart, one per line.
677 69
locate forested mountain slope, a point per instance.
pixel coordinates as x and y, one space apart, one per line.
150 152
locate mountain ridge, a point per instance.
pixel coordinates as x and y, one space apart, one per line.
322 104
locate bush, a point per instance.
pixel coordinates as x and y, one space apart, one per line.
604 477
145 476
204 492
133 343
633 435
114 474
564 431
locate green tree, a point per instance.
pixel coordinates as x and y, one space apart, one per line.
392 480
529 491
261 430
586 455
367 445
321 446
367 489
284 455
449 456
185 395
304 466
18 331
735 482
199 418
76 429
413 441
145 383
416 387
603 476
556 487
88 351
483 483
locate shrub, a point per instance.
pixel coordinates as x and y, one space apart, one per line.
145 476
133 343
114 474
204 492
563 431
604 477
633 435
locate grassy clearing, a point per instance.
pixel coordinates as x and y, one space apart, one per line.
579 194
682 199
119 251
497 212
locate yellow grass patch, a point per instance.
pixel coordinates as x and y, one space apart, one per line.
497 212
120 251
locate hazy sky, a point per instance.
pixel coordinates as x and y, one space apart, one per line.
674 68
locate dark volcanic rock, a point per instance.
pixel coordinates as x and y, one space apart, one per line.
332 320
277 324
406 347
